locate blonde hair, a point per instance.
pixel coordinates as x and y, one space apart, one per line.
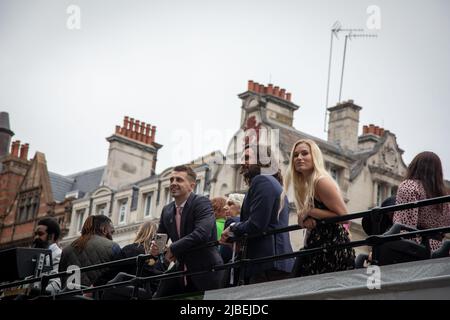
304 188
236 198
145 235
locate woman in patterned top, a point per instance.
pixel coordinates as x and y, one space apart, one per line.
424 179
317 196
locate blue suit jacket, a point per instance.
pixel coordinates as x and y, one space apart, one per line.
198 226
259 212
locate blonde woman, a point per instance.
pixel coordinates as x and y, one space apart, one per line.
233 205
316 197
141 245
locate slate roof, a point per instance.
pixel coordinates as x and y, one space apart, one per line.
85 181
289 135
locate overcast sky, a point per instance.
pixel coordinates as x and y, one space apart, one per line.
179 65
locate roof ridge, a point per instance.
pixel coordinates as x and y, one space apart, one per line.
61 176
74 175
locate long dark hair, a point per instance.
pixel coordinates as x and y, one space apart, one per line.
427 168
93 225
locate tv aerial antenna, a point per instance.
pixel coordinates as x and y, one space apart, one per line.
336 28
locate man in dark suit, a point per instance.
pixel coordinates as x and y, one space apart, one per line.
189 222
260 212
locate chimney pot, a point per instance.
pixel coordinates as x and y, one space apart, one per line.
153 134
15 148
261 89
282 93
147 131
270 89
381 132
288 96
276 91
365 129
377 130
117 129
125 122
250 85
24 151
255 87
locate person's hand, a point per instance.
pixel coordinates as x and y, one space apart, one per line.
301 219
169 255
225 235
309 223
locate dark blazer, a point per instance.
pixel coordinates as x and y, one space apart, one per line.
198 226
259 212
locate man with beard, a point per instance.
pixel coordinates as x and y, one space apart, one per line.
189 222
46 236
261 212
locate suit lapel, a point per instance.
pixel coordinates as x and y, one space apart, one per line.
172 222
245 207
186 212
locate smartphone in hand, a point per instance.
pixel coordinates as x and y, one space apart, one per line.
161 240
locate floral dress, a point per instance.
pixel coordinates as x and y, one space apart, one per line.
334 260
424 217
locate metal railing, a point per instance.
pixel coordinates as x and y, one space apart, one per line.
137 280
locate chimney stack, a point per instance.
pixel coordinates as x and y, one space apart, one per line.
343 125
132 153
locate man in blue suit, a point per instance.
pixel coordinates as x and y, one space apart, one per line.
260 212
188 221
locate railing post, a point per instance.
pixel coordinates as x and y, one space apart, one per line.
140 260
44 282
243 245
